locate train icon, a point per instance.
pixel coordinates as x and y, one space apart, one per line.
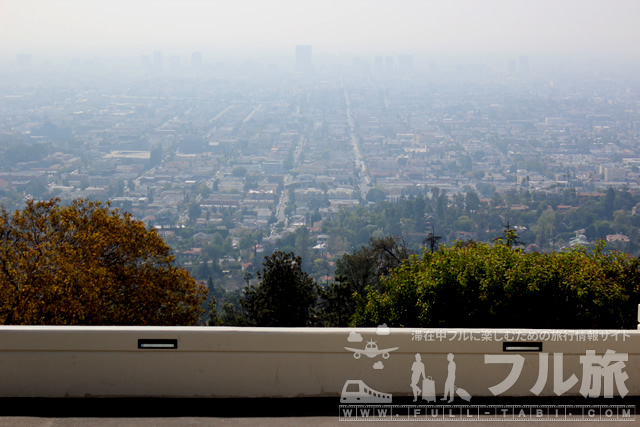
371 350
356 391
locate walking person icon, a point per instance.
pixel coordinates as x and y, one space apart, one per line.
449 385
417 373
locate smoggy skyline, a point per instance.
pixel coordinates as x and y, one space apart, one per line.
377 27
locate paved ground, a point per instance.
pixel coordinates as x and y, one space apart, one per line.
238 412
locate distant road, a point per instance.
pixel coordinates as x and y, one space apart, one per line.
364 180
250 116
220 114
288 179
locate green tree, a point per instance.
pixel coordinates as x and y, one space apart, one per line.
359 273
194 211
285 297
471 202
432 241
156 156
376 195
609 203
337 304
239 172
247 276
202 271
212 312
442 203
509 237
495 286
231 316
86 264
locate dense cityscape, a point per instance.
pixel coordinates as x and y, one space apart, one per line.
249 212
231 161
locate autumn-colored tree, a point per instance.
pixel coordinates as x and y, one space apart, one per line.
86 264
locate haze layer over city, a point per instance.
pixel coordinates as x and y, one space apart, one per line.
230 126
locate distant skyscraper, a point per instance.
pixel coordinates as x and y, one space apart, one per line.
196 61
388 64
303 58
157 60
379 64
524 64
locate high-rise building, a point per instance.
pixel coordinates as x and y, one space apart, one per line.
157 60
379 64
196 61
524 64
388 63
303 58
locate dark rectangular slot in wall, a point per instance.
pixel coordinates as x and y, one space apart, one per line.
521 346
157 344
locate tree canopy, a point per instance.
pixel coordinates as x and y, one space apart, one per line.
357 274
86 264
494 286
286 295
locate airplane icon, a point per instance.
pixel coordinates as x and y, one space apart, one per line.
371 350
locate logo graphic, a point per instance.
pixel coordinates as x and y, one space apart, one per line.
354 337
487 413
596 369
449 385
356 391
450 388
371 350
603 375
417 372
428 389
383 330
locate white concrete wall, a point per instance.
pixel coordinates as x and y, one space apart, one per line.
283 362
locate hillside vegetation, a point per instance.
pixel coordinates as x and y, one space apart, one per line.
495 286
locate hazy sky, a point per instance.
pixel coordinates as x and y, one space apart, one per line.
332 26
